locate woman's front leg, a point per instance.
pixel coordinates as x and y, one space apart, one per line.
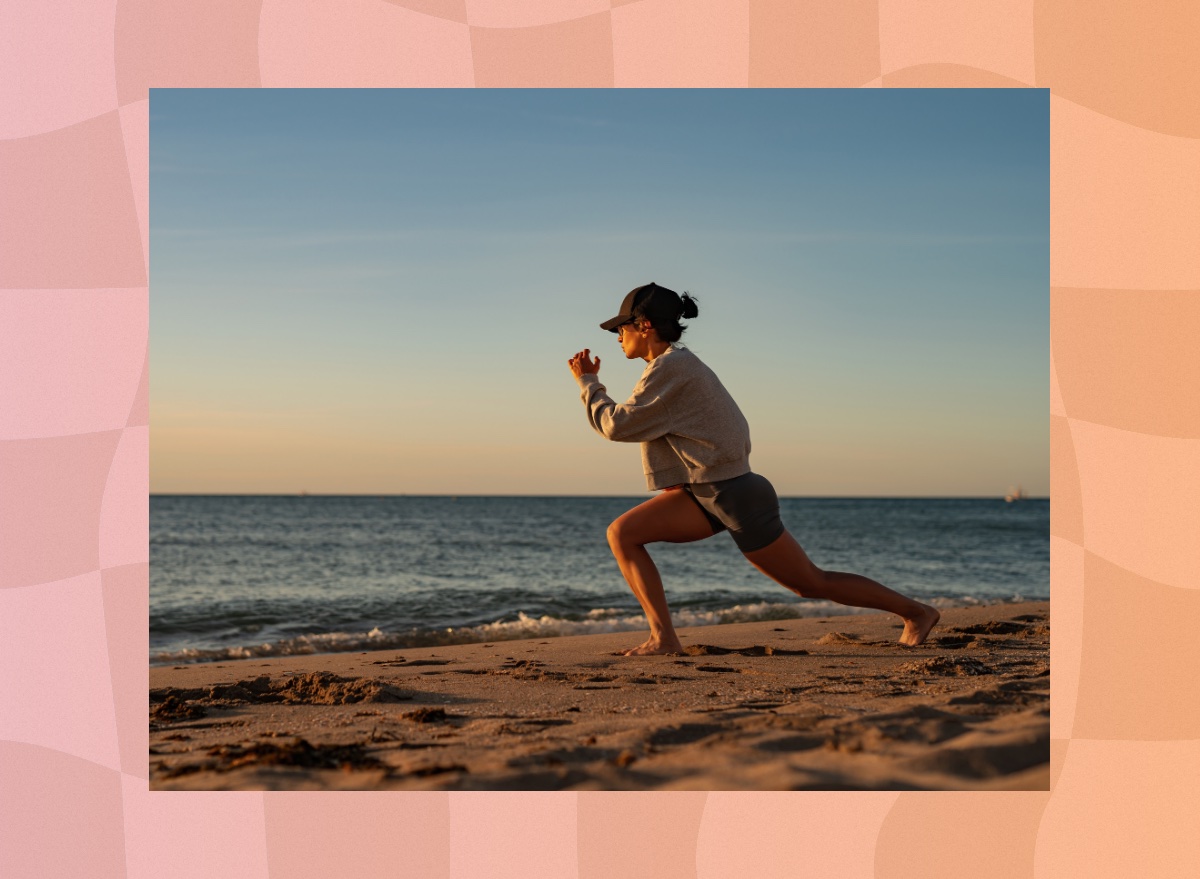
643 578
671 517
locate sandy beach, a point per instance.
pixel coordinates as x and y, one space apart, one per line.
828 703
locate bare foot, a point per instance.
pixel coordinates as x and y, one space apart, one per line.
654 647
917 628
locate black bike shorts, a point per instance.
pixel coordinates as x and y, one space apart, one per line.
746 505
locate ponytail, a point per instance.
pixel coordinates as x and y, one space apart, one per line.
663 309
690 308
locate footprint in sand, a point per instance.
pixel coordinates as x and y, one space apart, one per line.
789 743
532 725
952 642
299 752
682 734
755 650
996 755
993 627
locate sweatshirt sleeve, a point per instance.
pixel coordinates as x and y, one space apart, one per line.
643 417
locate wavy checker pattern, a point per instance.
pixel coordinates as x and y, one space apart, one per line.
74 446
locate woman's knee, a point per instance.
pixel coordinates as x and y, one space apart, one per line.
628 531
807 581
619 533
814 583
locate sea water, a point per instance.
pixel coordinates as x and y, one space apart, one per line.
235 577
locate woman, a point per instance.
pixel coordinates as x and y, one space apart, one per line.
696 448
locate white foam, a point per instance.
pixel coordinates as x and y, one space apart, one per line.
596 621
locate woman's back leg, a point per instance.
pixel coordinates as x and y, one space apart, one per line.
785 562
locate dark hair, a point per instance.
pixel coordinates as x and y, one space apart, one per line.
663 308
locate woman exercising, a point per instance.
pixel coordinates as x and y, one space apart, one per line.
696 450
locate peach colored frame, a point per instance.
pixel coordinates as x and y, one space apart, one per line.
74 437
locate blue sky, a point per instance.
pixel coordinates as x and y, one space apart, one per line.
377 291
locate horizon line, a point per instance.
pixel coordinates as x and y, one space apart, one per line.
311 494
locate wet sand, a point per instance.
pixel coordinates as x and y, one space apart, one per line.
831 703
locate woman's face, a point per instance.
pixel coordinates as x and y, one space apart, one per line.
633 340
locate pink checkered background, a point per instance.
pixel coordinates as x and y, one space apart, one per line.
74 436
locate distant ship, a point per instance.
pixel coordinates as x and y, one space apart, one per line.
1017 494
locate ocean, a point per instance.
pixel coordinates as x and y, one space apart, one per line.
237 577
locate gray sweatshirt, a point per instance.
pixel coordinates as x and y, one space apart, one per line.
690 428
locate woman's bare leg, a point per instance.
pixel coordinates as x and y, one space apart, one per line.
672 517
787 564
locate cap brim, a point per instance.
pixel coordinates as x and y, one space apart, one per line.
612 323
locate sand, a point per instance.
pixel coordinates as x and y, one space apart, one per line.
833 703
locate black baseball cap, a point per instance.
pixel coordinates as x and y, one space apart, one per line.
637 296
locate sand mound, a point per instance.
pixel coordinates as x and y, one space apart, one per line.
427 715
323 688
946 665
173 709
315 688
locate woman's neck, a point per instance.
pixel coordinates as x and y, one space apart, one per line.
657 349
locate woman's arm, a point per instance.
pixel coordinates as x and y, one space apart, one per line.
643 417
